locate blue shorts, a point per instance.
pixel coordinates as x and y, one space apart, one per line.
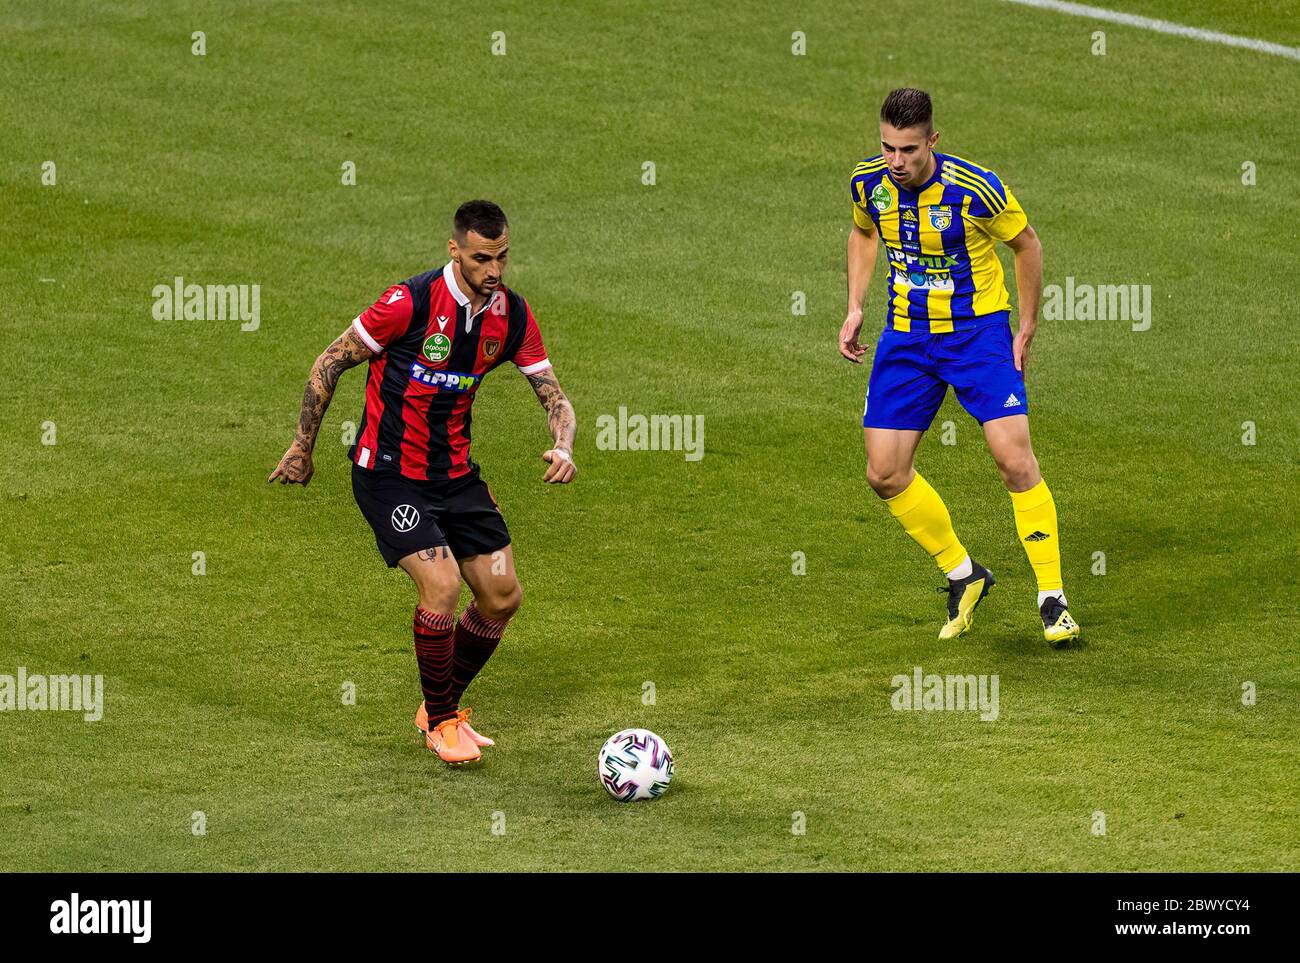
911 373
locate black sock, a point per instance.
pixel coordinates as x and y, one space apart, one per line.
433 653
476 639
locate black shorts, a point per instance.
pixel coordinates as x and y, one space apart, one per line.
409 515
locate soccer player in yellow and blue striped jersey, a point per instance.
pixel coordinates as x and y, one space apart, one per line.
947 322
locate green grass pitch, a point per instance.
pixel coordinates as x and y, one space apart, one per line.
223 691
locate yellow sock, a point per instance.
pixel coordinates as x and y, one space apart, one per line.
1036 523
923 515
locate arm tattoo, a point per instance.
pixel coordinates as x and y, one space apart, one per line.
563 422
346 352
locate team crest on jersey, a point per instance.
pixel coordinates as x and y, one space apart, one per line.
881 197
437 347
940 217
490 347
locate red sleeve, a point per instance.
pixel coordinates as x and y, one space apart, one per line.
530 356
386 319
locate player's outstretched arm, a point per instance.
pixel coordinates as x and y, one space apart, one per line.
862 248
347 351
563 423
1029 290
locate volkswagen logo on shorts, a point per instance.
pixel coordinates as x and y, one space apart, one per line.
405 518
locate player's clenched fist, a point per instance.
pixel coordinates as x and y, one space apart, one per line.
295 467
849 346
561 470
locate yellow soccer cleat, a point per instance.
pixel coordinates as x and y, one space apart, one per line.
1059 626
963 596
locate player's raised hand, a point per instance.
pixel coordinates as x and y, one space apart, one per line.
295 467
561 470
849 346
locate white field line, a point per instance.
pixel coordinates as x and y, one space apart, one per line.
1163 26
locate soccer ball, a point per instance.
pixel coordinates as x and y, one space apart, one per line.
635 764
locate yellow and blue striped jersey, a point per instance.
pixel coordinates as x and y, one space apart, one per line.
944 271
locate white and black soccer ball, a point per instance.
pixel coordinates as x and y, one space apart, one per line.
635 764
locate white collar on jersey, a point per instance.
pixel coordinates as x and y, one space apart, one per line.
449 278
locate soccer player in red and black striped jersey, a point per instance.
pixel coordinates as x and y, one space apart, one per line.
430 341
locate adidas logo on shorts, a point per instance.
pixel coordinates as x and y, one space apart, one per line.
1011 402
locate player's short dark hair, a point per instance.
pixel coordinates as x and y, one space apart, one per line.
481 217
908 107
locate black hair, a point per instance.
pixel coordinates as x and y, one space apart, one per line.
908 107
481 217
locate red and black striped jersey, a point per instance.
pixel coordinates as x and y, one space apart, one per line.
432 354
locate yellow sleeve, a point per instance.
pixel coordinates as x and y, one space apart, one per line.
1008 222
860 216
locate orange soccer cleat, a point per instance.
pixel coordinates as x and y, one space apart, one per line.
462 715
476 738
451 744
